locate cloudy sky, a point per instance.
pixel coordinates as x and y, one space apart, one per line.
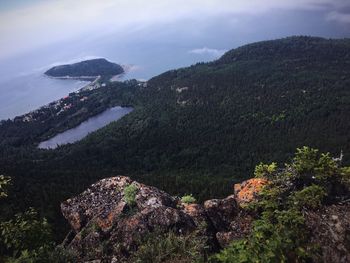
194 29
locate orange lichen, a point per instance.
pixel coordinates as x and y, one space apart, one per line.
193 209
248 190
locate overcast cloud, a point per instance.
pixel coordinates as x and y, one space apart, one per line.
29 26
215 53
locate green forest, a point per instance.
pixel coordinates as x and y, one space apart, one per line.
87 68
195 130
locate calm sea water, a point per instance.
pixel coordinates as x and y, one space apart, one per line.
86 127
24 93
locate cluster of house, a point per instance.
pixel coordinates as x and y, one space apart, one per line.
93 85
57 107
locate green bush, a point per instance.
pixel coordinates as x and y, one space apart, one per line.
170 247
25 232
45 254
188 199
305 160
130 192
275 236
279 233
345 176
263 170
309 163
4 182
310 197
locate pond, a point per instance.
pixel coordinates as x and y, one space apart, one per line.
86 127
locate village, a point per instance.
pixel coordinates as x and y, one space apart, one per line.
62 105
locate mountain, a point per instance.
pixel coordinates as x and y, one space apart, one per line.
87 68
256 103
193 130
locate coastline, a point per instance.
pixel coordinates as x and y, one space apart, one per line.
92 85
84 78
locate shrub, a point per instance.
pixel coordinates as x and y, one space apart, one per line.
345 176
305 159
28 239
279 233
46 254
4 181
263 170
310 197
25 232
170 247
130 192
188 199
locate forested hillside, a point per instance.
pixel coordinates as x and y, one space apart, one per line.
198 129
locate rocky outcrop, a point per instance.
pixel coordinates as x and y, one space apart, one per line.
107 227
330 228
104 225
247 191
221 211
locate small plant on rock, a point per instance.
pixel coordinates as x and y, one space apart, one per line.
130 192
188 199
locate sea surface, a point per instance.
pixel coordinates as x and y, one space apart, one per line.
92 124
25 93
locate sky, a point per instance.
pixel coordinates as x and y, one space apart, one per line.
197 29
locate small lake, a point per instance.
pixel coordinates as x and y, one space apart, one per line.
86 127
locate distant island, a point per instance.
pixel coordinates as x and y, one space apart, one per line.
86 69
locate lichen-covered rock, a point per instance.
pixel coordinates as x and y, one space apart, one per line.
330 229
107 227
247 191
196 212
221 212
241 225
104 223
100 199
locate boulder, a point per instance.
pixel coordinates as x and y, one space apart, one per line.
102 199
240 227
105 227
100 218
248 190
221 212
330 229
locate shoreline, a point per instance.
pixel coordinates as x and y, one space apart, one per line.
83 78
93 84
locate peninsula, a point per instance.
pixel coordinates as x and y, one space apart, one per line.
88 69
